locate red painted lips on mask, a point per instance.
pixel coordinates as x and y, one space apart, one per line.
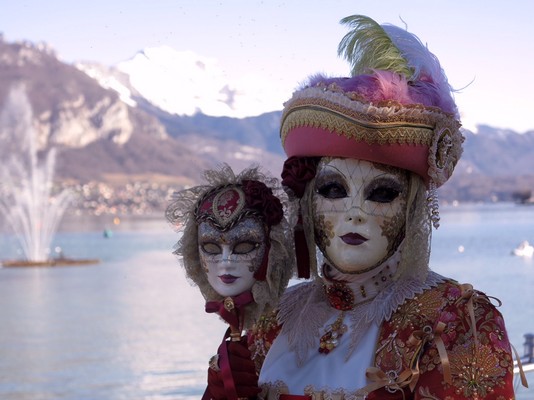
353 239
228 278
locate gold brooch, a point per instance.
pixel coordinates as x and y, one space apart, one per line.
229 304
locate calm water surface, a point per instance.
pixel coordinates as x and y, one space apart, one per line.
132 327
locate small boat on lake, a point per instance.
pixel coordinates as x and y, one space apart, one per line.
525 249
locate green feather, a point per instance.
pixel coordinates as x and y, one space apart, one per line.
367 46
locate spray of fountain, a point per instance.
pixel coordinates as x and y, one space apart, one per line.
26 180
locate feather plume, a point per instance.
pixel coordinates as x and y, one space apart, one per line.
428 75
424 64
368 47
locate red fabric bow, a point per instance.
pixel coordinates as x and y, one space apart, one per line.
229 308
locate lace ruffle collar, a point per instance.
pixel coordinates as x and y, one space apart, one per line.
304 310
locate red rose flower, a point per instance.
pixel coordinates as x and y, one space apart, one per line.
297 172
260 198
273 212
255 192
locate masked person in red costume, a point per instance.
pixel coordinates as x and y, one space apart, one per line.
366 154
234 249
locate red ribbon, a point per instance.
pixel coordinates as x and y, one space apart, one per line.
226 371
301 251
261 273
229 308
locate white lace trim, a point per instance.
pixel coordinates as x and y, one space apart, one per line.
304 310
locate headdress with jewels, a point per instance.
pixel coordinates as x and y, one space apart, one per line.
224 201
396 108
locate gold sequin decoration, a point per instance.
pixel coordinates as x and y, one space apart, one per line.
474 377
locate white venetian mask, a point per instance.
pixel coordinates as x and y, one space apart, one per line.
231 257
359 211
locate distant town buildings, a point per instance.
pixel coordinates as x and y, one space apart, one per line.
136 199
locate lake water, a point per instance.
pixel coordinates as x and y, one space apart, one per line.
132 327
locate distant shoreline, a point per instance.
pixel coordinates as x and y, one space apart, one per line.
54 262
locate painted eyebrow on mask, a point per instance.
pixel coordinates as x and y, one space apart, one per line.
390 186
330 175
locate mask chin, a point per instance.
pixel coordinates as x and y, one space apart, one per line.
353 271
329 264
331 272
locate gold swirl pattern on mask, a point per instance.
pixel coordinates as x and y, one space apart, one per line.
391 228
324 231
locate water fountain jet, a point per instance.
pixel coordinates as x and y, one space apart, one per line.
26 182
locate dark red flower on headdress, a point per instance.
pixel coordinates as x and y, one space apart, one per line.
297 172
259 197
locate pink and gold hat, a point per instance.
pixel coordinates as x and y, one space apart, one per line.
395 109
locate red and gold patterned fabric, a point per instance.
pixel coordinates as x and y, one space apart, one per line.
447 343
479 361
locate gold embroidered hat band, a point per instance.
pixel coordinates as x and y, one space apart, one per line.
325 120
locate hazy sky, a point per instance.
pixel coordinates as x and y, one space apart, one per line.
486 47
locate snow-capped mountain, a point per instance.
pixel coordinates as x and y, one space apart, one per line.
91 115
185 83
135 118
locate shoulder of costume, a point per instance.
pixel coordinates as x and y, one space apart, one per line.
455 290
297 296
440 295
299 290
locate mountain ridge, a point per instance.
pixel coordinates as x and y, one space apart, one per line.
103 126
